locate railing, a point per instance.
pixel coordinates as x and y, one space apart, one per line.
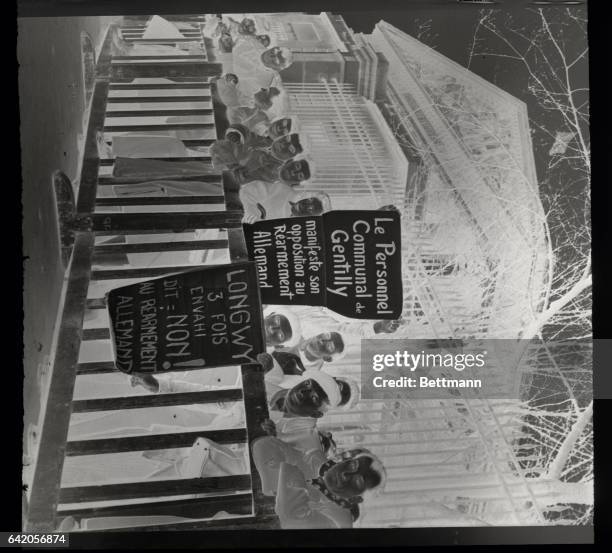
210 224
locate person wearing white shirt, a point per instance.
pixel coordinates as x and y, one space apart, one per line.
315 350
296 402
281 327
264 200
258 67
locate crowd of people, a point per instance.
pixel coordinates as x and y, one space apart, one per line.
262 148
315 484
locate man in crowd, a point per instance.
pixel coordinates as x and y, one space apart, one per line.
265 167
245 27
309 497
295 402
263 122
225 43
264 40
281 327
309 394
310 353
282 126
262 200
234 94
286 147
235 149
239 142
258 66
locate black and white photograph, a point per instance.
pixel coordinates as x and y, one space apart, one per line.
307 269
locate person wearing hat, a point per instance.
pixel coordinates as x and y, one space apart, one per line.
265 167
309 394
255 109
314 350
260 165
284 363
295 171
257 41
234 149
245 27
262 200
255 119
225 43
256 113
310 202
259 66
230 151
297 396
281 327
265 192
295 402
282 126
235 92
239 133
276 58
264 40
239 141
286 147
325 497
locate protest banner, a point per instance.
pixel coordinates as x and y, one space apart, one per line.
208 317
289 258
348 261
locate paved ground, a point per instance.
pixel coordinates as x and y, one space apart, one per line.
52 109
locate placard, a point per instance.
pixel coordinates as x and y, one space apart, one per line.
208 317
363 264
346 260
289 254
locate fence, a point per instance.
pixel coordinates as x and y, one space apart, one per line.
110 227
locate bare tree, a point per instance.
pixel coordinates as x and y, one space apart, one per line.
554 56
